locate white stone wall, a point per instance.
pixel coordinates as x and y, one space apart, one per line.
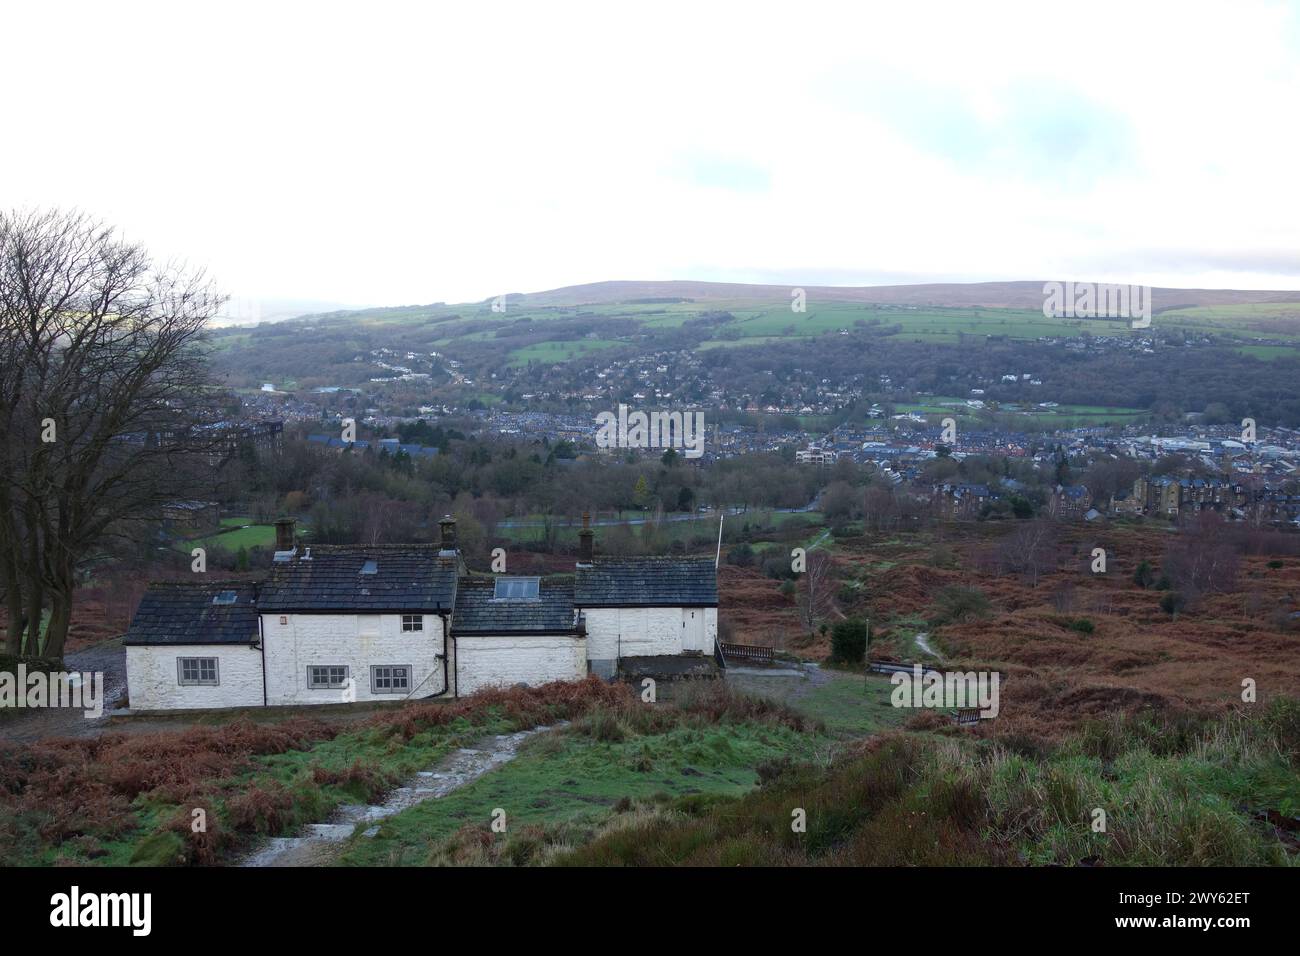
502 661
614 632
356 641
602 633
153 678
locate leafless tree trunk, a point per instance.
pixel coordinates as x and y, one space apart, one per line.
815 595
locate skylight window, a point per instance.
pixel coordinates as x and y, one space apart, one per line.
225 597
516 589
370 567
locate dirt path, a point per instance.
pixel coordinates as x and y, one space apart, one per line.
787 684
320 843
107 658
818 540
923 642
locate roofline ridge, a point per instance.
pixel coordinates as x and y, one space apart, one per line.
421 546
221 582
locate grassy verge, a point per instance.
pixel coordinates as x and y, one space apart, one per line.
851 705
1172 796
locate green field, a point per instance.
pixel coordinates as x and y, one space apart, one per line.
1269 352
766 323
551 352
1057 417
239 533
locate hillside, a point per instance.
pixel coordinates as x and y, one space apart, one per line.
991 295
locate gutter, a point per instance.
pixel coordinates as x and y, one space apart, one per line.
507 632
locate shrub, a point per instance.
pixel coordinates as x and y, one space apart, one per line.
1171 602
361 781
943 557
164 848
778 567
849 641
261 809
1144 576
741 555
957 603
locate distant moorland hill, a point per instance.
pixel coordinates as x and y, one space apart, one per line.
991 295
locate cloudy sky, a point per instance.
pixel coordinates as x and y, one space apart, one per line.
377 153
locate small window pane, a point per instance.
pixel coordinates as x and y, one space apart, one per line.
327 676
197 670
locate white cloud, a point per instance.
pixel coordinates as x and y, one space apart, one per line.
395 153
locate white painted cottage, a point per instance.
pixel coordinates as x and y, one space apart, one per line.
340 624
642 607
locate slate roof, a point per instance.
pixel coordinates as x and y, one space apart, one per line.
647 582
478 612
178 613
407 578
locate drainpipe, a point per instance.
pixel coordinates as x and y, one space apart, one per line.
261 644
454 685
446 632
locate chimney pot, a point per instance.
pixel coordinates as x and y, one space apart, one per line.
585 540
284 534
447 527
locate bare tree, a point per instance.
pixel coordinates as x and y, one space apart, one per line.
815 595
104 403
1029 550
880 508
1201 560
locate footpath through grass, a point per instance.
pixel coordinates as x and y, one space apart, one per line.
577 776
711 742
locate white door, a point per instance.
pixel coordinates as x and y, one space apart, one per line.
693 629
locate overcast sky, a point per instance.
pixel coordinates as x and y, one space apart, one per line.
373 153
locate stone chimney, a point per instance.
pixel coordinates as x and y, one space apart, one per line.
447 526
284 534
585 536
